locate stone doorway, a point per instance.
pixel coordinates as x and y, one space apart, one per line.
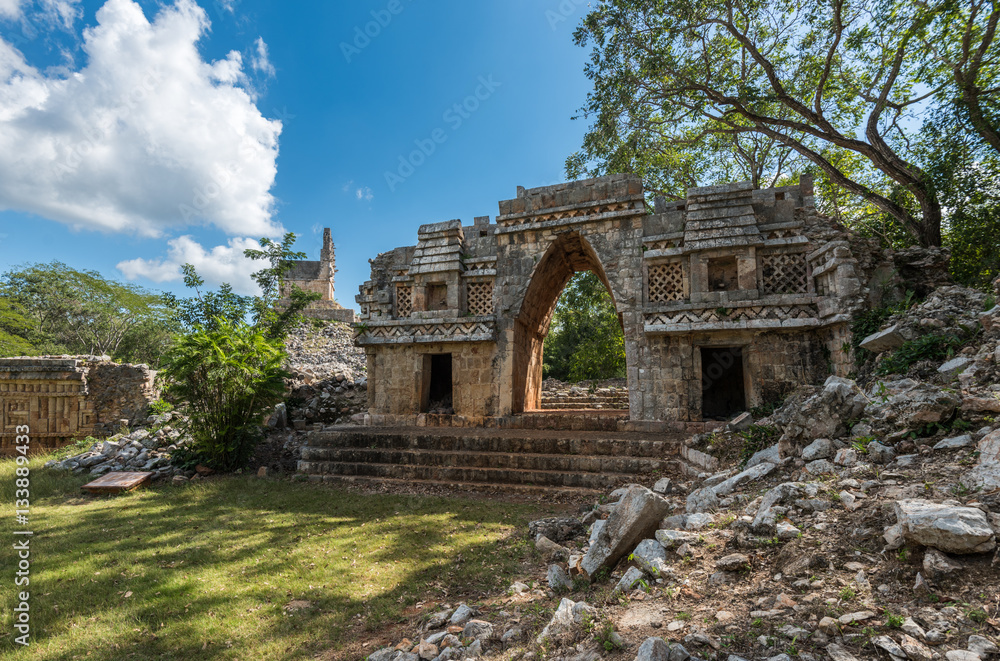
436 391
723 391
567 255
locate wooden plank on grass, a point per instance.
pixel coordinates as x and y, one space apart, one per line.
117 482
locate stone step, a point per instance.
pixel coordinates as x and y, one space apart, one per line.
587 399
489 460
499 441
605 406
578 419
485 456
453 474
475 487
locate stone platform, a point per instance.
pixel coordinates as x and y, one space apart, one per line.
525 460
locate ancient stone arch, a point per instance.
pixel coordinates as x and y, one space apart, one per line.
726 299
568 253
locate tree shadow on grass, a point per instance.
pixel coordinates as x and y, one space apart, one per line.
204 571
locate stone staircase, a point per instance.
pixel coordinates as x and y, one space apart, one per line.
518 460
577 398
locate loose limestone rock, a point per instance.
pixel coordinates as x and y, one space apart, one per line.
949 528
631 578
733 562
558 579
653 649
566 620
915 649
937 565
986 474
550 550
669 539
821 448
651 558
635 518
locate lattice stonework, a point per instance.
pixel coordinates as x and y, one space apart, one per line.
480 298
666 282
784 273
404 300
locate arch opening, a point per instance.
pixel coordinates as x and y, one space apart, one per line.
566 256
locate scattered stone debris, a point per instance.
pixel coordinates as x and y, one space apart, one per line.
872 534
146 449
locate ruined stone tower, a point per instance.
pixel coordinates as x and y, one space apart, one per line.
318 277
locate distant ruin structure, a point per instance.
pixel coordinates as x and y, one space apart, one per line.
317 277
63 398
727 299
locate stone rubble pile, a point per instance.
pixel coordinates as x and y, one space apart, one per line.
450 634
867 530
324 351
145 449
955 312
331 401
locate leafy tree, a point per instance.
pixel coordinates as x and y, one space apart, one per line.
585 340
963 43
206 309
968 170
832 82
15 331
230 376
83 312
203 310
279 258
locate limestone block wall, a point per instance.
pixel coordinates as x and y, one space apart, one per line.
398 377
773 363
61 398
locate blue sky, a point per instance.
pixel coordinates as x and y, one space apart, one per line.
119 127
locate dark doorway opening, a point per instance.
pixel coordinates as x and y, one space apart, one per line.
437 386
722 390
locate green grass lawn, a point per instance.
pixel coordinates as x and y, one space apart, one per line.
205 570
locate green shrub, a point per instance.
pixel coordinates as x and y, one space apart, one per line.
159 407
757 438
926 347
229 378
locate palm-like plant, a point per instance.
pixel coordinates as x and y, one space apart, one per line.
231 376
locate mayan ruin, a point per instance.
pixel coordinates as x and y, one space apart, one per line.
630 330
317 277
727 299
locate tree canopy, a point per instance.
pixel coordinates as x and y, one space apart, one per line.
54 308
689 93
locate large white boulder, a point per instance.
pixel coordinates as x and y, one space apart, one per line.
949 528
635 518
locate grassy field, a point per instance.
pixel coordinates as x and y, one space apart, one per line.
207 570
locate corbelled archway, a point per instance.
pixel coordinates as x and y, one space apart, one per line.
567 255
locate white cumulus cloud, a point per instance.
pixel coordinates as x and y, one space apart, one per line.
216 266
146 138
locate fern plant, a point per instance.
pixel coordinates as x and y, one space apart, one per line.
229 377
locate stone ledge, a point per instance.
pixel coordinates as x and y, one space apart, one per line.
508 218
750 325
